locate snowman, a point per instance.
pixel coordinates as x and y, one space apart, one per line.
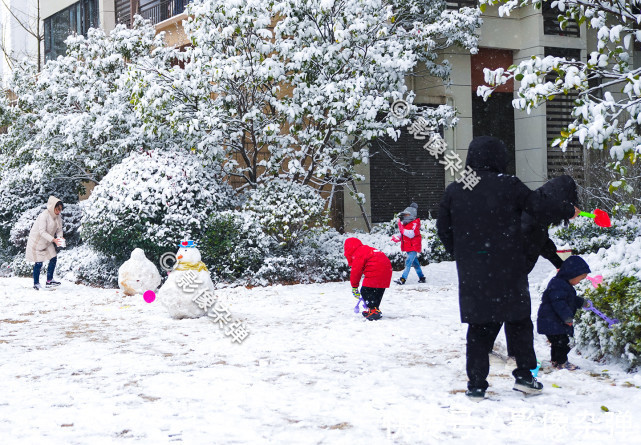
138 274
188 281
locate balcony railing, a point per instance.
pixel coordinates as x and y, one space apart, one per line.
458 4
154 10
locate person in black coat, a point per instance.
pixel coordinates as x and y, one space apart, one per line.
481 228
558 306
536 239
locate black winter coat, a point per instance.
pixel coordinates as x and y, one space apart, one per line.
535 231
560 302
482 229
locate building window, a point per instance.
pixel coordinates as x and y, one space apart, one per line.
551 24
76 19
558 116
402 172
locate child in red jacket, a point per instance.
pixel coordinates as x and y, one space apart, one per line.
410 227
377 269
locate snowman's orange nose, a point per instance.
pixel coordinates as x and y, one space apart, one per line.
179 257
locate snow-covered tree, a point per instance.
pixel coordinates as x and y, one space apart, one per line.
73 116
297 88
607 85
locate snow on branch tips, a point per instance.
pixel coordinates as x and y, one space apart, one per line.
605 88
297 88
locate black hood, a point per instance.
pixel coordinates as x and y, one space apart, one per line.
487 153
562 188
572 268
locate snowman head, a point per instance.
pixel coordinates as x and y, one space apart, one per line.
188 253
138 255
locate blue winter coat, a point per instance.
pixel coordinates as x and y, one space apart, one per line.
560 302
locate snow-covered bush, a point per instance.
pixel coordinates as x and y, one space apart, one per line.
584 236
237 250
620 299
19 267
233 245
71 216
84 265
287 211
81 265
153 200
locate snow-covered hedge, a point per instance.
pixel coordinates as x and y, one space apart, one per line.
584 236
71 216
233 245
238 249
153 200
84 265
287 211
619 296
81 265
620 299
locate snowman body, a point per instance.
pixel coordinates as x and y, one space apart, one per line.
189 279
138 275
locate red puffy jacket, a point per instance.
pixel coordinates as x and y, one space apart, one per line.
412 244
365 260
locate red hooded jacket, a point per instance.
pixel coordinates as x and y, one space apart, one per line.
365 260
410 244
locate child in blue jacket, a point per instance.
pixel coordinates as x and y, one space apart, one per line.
558 306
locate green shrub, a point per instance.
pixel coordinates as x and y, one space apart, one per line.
287 211
584 236
232 245
621 299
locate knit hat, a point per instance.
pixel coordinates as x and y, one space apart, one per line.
410 213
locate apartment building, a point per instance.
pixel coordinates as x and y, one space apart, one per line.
410 174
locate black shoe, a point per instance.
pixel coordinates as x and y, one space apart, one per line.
400 281
476 394
372 314
421 280
528 386
37 286
52 283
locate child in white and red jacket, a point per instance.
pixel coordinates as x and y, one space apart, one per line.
410 227
377 269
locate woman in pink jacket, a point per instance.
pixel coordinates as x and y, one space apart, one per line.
410 227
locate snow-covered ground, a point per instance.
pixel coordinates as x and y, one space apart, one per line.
89 366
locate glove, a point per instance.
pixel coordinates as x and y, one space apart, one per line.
356 293
587 304
569 322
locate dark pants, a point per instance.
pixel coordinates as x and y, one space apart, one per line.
480 340
372 296
50 269
560 348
